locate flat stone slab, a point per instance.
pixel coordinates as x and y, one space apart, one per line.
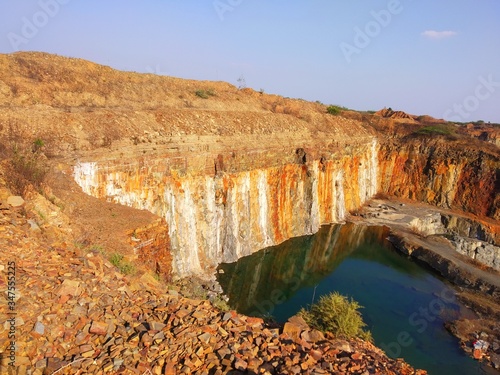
15 200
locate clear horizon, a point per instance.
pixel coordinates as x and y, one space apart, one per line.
422 57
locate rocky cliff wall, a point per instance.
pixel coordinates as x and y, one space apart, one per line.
222 216
219 209
483 230
441 173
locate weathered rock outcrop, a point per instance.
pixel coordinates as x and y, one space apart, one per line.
399 115
481 251
222 217
483 230
442 173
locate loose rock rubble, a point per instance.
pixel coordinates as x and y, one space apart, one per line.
76 314
479 338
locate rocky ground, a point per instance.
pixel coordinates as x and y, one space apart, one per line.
479 337
67 310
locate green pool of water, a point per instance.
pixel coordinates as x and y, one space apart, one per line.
405 305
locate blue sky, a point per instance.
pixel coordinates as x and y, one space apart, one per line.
422 56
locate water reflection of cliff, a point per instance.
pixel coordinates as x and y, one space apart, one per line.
274 274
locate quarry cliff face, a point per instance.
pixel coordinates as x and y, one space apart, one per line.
443 174
222 217
236 210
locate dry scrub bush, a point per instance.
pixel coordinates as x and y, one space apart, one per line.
27 167
25 161
337 314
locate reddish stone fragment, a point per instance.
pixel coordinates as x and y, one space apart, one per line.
98 328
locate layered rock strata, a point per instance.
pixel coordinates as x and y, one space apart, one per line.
442 173
221 217
218 208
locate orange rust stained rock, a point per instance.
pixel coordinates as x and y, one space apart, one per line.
153 247
298 198
434 176
228 216
476 192
275 208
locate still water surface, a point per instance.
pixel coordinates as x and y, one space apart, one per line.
405 306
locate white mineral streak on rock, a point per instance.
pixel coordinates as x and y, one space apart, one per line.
185 214
209 224
373 170
85 175
315 217
263 207
211 231
231 243
368 171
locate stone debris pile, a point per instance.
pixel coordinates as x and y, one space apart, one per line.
484 347
76 314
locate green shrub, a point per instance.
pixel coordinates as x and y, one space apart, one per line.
37 145
439 129
220 303
115 259
204 94
123 266
201 94
337 314
126 268
334 109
